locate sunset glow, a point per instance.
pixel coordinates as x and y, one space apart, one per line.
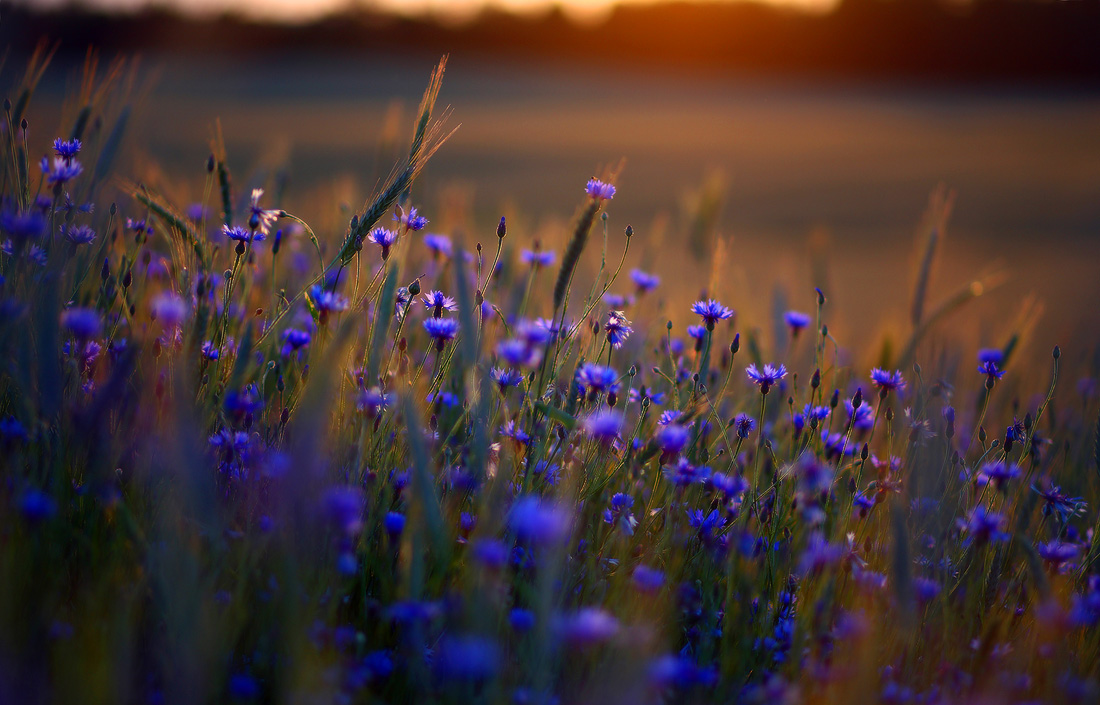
449 10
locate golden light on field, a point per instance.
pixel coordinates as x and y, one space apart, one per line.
451 10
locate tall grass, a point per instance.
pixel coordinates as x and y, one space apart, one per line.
247 461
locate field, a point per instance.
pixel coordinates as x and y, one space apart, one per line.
308 396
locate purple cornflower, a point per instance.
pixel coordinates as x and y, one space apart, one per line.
260 219
644 281
767 377
596 378
82 323
819 555
236 232
410 219
506 377
618 329
538 521
537 258
66 149
744 424
62 171
441 330
711 312
604 426
439 245
384 238
797 321
437 302
887 381
599 190
78 234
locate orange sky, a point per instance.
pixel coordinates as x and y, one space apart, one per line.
299 10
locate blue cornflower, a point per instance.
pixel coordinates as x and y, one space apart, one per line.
210 351
1054 501
599 190
537 521
698 334
668 416
327 301
437 302
259 219
62 171
517 434
384 238
373 401
596 378
994 355
998 473
66 149
647 579
992 372
672 438
1058 552
644 281
619 514
441 330
887 381
679 671
236 232
588 626
618 329
744 424
468 658
616 301
295 339
506 377
439 245
797 321
23 226
37 506
518 353
537 258
83 323
766 378
78 234
394 523
604 426
410 219
711 312
861 418
836 444
521 620
168 309
535 333
343 507
983 525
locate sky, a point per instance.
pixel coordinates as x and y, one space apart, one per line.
453 10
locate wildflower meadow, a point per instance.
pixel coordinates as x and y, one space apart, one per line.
250 459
